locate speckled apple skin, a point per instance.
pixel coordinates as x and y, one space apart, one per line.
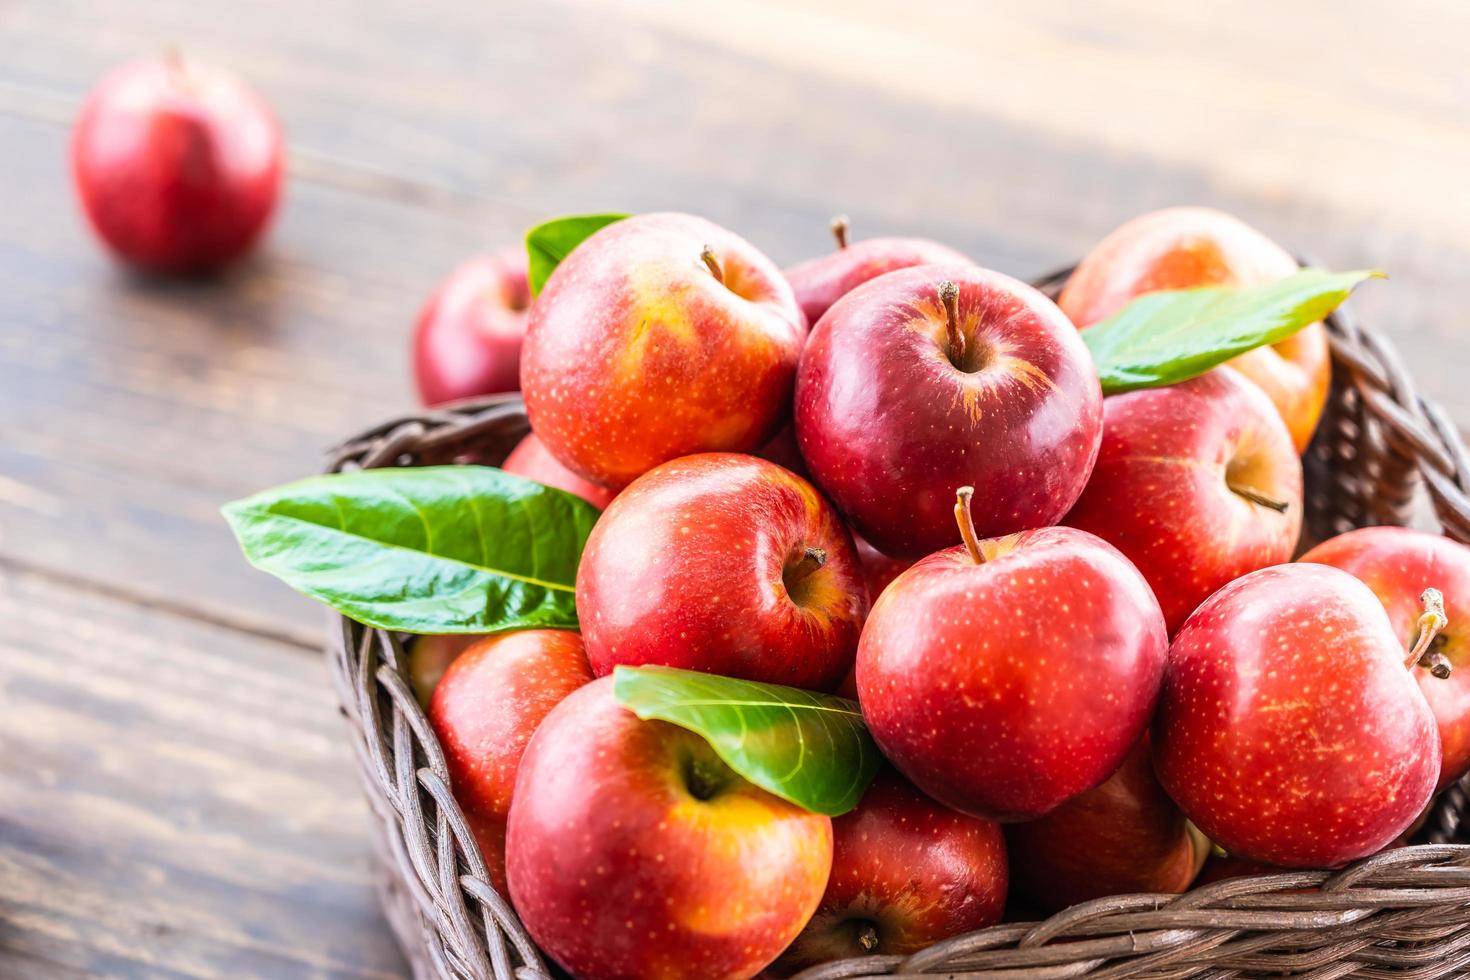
485 710
1180 248
467 340
822 281
1004 689
1289 730
684 569
1159 493
918 872
531 459
636 354
1398 564
619 873
1122 838
890 428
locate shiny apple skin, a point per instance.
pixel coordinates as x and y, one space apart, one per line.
686 569
822 281
1180 248
532 460
1006 688
890 428
1122 838
485 710
468 337
430 656
1398 564
636 354
1289 730
913 870
1159 490
177 165
620 872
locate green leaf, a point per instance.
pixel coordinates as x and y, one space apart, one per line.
550 242
1167 337
437 549
811 749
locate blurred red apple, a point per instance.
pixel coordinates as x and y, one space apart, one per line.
878 568
468 338
906 872
659 336
1398 564
822 281
177 164
1197 483
1180 248
1289 729
430 656
531 459
1125 836
634 851
935 377
727 564
1007 676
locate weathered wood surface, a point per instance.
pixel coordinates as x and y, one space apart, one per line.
176 799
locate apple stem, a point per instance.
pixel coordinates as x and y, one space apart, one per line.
949 295
839 230
1430 624
708 257
966 522
867 937
1257 497
811 560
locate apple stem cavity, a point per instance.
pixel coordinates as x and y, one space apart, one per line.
967 523
1430 624
867 937
1257 497
949 295
839 231
810 560
707 256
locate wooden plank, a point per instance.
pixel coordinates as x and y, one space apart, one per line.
179 800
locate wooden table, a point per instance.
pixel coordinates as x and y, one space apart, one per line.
176 797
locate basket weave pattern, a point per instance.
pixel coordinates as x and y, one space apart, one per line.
1404 913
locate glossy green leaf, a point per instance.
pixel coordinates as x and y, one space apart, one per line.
550 242
1167 337
811 749
439 549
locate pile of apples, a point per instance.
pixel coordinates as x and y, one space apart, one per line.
1073 624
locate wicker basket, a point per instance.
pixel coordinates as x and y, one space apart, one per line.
1402 913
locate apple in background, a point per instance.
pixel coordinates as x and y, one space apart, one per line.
660 336
1180 248
935 377
531 459
906 872
1006 676
1289 729
822 281
468 338
878 568
430 656
1124 837
1398 564
177 164
782 450
723 563
1197 483
485 710
634 851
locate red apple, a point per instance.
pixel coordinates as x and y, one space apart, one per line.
177 165
1398 564
782 451
1007 676
531 459
935 377
485 710
878 568
822 281
727 564
635 852
468 338
660 336
430 656
1197 483
1289 730
1180 248
1125 836
906 872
